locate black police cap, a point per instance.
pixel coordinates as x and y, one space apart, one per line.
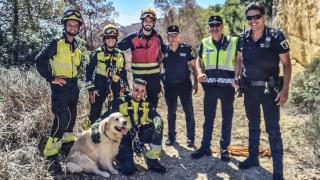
215 20
173 29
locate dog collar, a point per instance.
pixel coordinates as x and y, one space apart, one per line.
110 138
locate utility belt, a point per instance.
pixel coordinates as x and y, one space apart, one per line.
273 83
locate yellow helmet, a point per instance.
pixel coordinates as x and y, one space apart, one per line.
72 14
148 12
110 30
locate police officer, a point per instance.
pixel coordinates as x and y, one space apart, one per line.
147 128
177 58
145 46
216 64
108 63
260 50
62 54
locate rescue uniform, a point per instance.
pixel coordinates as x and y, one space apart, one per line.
106 65
219 65
177 83
142 116
61 59
259 81
146 52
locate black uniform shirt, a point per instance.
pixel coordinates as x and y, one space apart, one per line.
261 58
176 63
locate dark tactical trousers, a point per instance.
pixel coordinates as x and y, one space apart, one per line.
226 97
254 97
183 90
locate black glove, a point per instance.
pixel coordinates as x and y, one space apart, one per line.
95 134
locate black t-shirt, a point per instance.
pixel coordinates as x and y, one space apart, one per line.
261 58
176 63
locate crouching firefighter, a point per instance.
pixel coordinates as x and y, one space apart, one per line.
62 55
110 73
147 127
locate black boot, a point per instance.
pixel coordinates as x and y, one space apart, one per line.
154 165
65 148
190 142
248 163
126 164
277 176
200 153
224 155
54 165
170 142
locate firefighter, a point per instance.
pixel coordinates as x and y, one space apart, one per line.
145 46
108 63
147 128
58 62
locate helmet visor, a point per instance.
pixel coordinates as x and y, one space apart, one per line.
71 13
150 15
110 30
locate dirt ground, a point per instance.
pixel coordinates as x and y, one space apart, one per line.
298 156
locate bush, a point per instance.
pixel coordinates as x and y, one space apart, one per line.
25 114
305 94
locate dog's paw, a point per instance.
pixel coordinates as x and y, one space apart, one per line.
105 174
114 171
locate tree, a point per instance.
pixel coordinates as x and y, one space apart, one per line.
96 14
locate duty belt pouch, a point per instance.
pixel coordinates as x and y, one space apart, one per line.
278 84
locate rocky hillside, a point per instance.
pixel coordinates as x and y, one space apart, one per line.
301 22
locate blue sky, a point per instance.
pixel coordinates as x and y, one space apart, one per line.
129 10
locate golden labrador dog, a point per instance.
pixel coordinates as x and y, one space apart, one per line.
91 157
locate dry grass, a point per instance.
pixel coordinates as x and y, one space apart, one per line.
25 113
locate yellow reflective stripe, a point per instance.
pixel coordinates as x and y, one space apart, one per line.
153 71
53 146
68 137
154 152
144 64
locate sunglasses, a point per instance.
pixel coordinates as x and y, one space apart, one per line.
214 25
255 17
72 12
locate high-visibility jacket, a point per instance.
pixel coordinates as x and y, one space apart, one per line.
62 56
148 111
219 64
106 63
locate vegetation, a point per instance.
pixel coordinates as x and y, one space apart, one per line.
305 94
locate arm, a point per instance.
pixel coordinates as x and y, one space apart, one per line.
238 70
42 60
123 72
89 71
126 43
287 69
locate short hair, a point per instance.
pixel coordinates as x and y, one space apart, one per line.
140 81
255 6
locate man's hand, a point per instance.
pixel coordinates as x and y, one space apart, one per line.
195 88
92 96
202 78
59 81
235 84
282 97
